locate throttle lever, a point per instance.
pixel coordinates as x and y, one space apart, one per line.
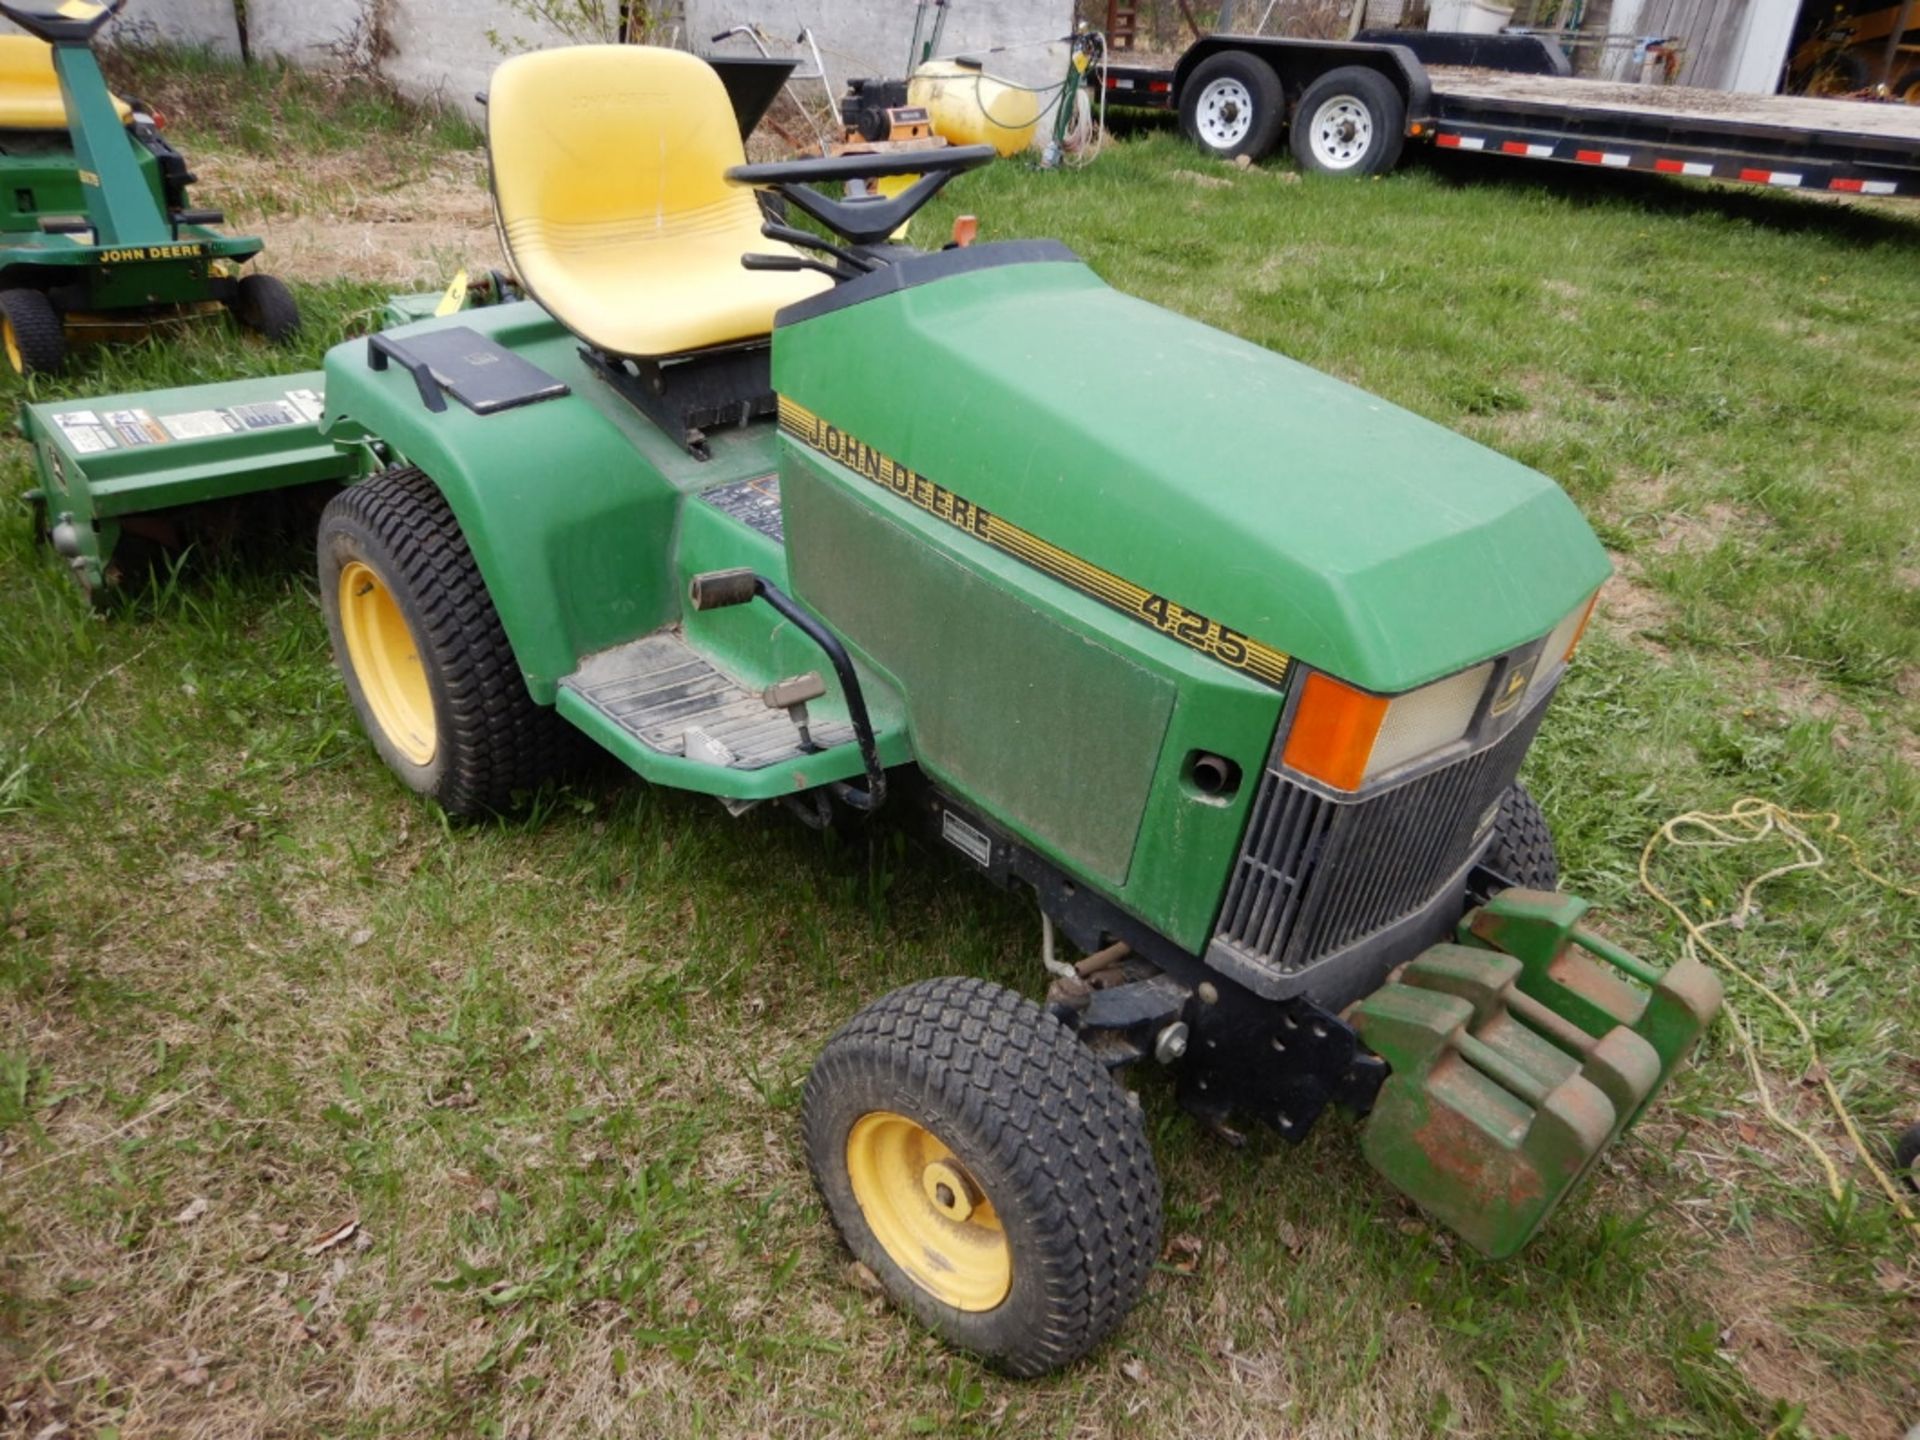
791 262
806 239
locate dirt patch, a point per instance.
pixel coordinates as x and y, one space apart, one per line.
1632 609
329 222
1760 1289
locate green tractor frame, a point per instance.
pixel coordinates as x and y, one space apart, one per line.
97 238
1229 664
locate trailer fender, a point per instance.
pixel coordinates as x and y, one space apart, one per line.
569 526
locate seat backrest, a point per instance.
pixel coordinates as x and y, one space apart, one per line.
598 134
30 90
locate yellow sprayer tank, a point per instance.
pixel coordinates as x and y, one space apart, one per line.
969 107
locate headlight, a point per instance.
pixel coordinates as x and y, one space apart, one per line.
1346 737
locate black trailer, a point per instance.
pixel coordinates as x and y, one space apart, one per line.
1350 107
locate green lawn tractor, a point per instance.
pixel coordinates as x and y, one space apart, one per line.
97 240
1232 666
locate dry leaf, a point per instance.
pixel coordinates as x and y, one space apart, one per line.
863 1278
339 1235
195 1208
360 937
1183 1253
1135 1370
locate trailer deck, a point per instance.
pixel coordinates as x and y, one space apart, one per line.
1790 141
1682 102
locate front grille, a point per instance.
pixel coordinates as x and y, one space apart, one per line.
1315 875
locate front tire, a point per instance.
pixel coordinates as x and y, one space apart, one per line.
1233 105
425 658
987 1169
1351 121
32 334
1522 848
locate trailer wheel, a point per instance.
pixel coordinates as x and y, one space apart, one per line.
1233 105
264 305
426 662
1906 1158
1522 848
32 333
1351 121
987 1169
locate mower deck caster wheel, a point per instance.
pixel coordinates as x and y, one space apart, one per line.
1906 1158
264 305
987 1169
33 335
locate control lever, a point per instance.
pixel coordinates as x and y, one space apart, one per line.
792 695
807 240
792 262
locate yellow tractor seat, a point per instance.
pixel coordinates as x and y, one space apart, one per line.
30 91
608 183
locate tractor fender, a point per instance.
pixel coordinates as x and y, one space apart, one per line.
569 525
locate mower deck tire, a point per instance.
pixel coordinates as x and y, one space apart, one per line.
987 1169
1906 1158
425 659
32 333
1232 105
1350 121
1522 848
264 305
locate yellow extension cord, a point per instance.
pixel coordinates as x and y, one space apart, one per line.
1750 822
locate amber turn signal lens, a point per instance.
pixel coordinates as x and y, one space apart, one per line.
1334 728
965 228
1585 615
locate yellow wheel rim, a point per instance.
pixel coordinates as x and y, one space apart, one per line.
12 343
386 662
928 1213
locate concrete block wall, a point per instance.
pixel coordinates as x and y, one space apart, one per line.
443 50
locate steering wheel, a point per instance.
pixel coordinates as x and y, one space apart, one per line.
57 21
871 218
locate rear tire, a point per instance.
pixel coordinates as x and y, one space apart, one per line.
1232 105
1351 121
1907 88
987 1169
425 659
1522 848
264 305
32 334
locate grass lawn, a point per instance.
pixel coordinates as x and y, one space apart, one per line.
252 993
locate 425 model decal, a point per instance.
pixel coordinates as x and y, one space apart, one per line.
1176 621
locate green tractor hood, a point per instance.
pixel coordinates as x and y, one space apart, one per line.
1265 495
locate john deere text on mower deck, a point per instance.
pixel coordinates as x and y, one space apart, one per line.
1239 685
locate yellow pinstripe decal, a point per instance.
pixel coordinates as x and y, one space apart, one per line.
1176 621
